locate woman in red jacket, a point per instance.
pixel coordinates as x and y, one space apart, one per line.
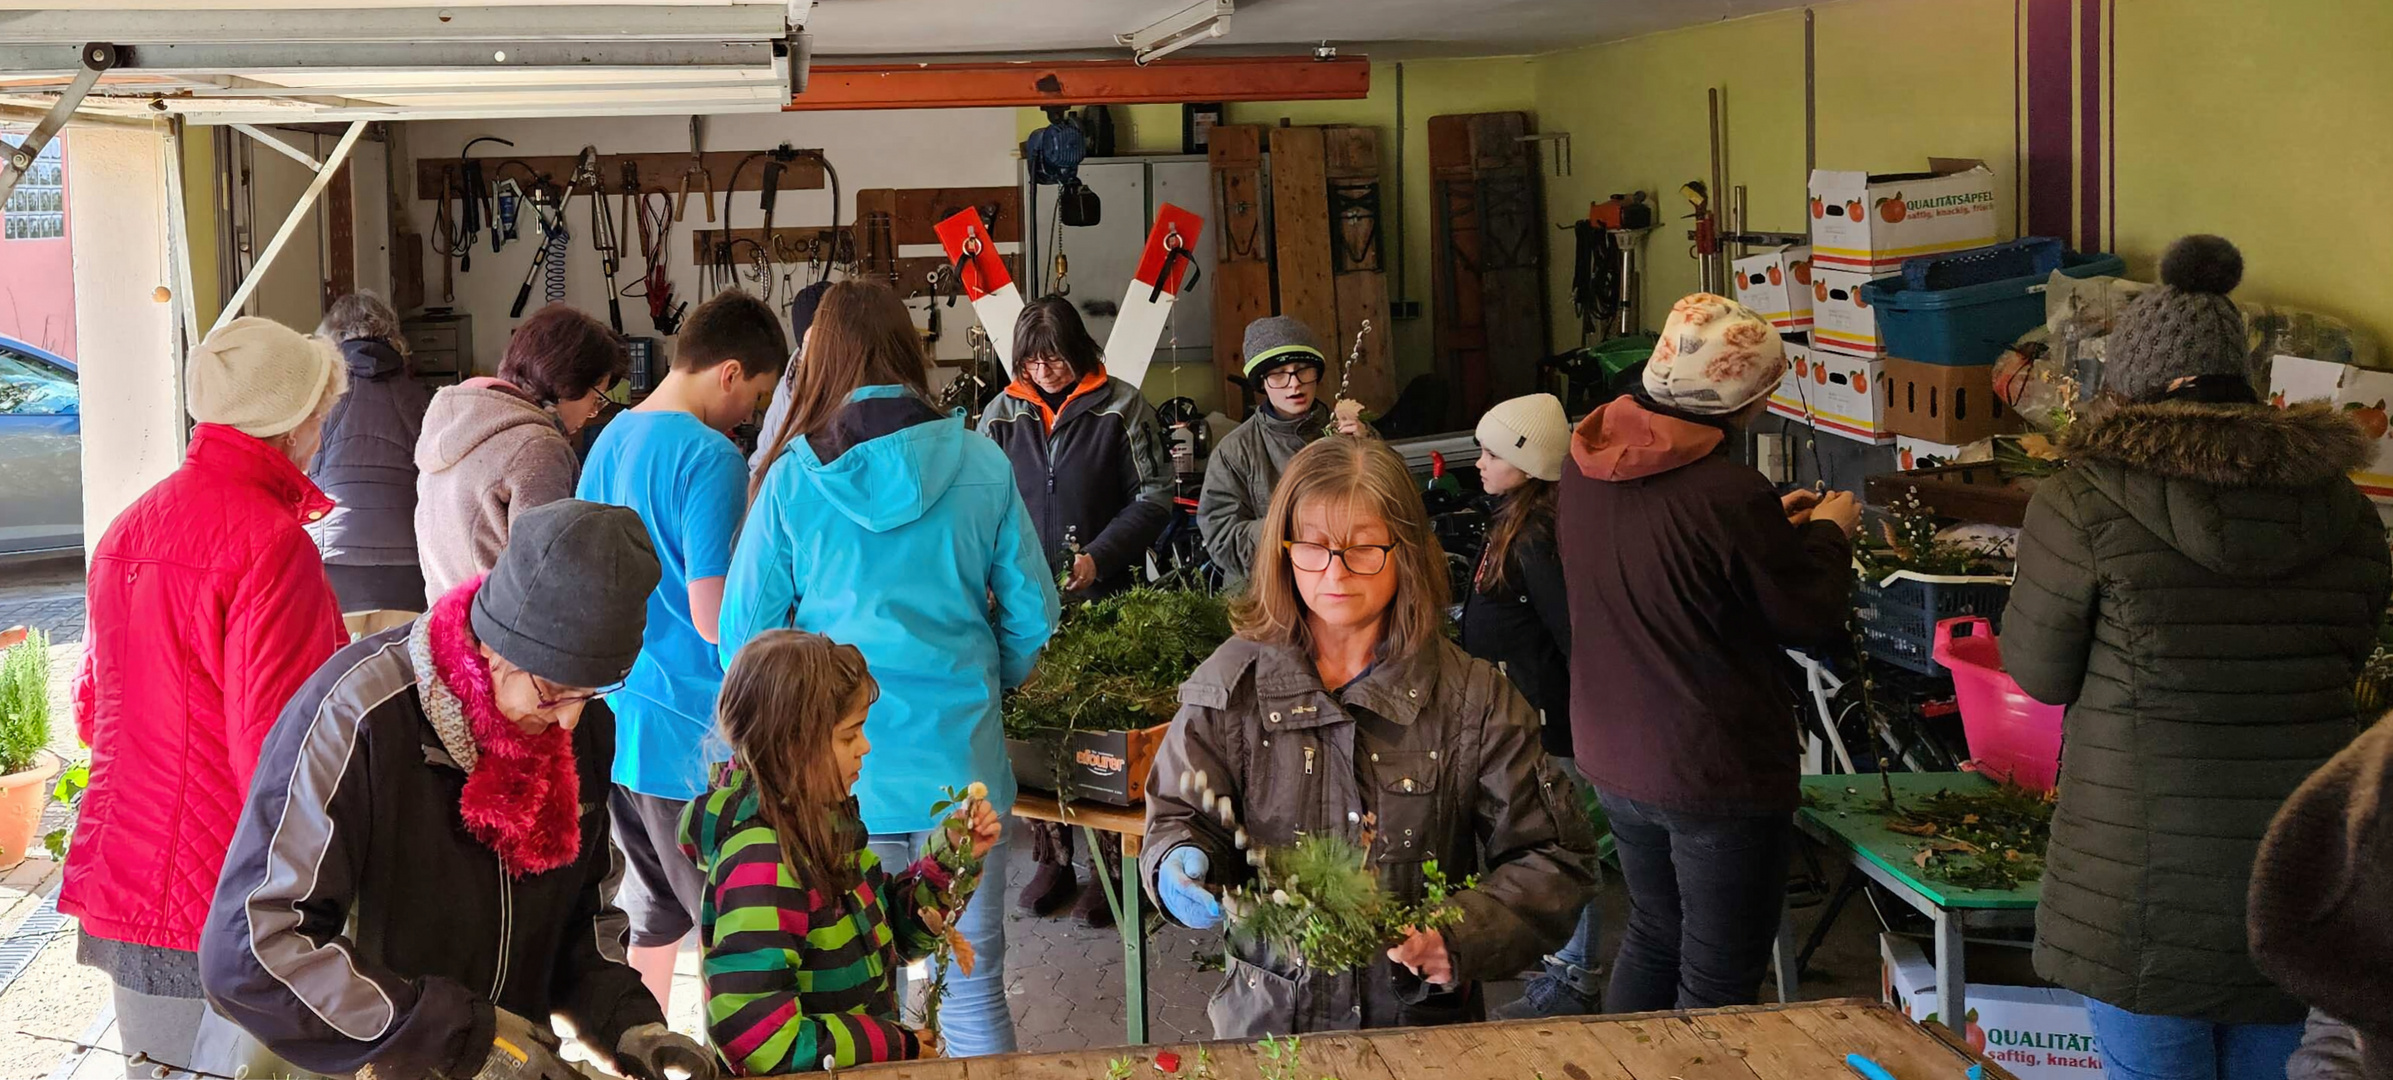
208 608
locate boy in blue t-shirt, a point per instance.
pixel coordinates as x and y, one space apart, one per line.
671 458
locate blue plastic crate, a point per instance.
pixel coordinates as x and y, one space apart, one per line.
1970 325
2032 256
1898 616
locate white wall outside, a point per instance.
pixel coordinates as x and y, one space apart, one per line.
131 377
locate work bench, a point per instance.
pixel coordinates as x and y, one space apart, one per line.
1847 813
1808 1041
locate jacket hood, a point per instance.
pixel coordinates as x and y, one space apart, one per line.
461 418
372 358
1624 440
888 459
2241 489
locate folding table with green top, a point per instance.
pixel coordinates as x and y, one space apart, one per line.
1847 813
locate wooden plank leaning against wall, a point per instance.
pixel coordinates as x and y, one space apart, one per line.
1242 272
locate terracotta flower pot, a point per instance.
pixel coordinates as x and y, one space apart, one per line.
22 796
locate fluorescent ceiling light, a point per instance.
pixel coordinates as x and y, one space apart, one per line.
1179 30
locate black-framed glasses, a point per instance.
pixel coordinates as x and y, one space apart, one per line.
1291 377
1043 361
1363 559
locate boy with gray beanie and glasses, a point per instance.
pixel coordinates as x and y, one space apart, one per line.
1284 363
434 789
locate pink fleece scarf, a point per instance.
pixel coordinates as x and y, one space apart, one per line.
522 795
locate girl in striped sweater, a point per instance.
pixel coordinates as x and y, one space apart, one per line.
804 930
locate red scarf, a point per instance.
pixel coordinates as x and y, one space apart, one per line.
523 792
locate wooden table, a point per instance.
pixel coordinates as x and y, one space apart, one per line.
1129 823
1768 1042
1845 813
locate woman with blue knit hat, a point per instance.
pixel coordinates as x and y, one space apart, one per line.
2201 588
1284 361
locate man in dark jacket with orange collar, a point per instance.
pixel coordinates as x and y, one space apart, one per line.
422 875
1688 575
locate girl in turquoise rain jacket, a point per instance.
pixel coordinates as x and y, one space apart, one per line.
882 523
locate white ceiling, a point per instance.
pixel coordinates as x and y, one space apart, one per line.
840 29
1393 29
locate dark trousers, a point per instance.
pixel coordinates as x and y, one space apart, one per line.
1705 896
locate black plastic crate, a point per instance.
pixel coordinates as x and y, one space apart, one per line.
1898 618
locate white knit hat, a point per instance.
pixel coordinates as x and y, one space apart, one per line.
1716 356
261 377
1529 432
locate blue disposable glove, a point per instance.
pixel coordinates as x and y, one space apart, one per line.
1181 883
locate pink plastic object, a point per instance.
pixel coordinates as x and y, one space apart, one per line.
2011 735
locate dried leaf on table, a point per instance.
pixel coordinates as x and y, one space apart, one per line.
1912 828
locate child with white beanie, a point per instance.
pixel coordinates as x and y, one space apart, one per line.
1516 615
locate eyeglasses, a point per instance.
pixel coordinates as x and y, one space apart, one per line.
1290 377
553 696
1045 362
1363 559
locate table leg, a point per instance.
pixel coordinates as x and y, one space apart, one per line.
1123 900
1134 951
1951 978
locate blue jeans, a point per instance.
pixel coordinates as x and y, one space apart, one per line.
2136 1046
1705 896
973 1020
1578 954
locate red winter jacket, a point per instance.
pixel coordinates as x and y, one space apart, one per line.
208 609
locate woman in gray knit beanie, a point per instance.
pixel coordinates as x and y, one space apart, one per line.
2200 588
2184 329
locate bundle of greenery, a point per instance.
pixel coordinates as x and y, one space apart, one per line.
1318 901
1116 664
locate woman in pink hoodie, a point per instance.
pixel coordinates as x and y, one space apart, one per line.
1689 574
494 448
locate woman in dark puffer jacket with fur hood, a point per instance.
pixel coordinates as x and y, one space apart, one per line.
2201 588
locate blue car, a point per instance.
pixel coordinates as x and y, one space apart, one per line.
41 453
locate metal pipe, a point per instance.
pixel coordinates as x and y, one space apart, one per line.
1811 99
1708 270
1736 220
1396 223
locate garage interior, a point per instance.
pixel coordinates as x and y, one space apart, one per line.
1466 200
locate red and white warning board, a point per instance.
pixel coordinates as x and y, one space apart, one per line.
1167 264
981 272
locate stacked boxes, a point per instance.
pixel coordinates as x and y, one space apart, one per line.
1777 284
1832 392
1864 226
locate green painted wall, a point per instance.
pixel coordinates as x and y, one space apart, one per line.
2225 122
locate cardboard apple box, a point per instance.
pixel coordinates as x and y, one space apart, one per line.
1869 223
2361 393
1843 395
1789 400
1841 322
1777 284
1910 453
2035 1032
1945 404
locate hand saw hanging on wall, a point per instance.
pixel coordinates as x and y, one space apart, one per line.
1166 266
981 273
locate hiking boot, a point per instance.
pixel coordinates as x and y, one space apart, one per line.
1052 885
1093 911
1560 990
